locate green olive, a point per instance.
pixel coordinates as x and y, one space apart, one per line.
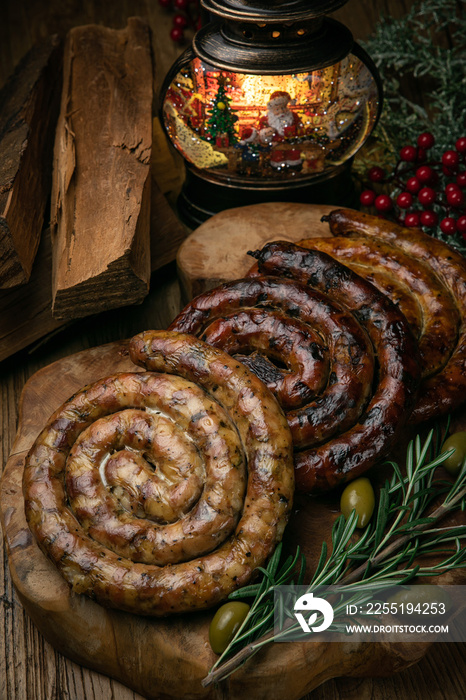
419 596
225 623
358 496
454 463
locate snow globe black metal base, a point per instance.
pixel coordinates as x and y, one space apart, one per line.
201 198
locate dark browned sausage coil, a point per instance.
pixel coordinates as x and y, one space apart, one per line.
311 352
409 283
242 317
445 390
374 434
160 492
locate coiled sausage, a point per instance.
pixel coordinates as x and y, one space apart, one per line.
438 331
376 431
180 536
282 320
446 390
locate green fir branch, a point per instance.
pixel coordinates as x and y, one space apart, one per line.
427 48
409 48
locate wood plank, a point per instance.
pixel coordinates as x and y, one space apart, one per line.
101 178
28 112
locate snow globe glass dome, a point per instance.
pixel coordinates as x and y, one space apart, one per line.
270 103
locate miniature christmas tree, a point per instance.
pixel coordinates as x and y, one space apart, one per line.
221 122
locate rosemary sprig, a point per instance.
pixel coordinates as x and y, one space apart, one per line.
400 533
260 617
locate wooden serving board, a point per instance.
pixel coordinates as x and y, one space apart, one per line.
163 658
216 252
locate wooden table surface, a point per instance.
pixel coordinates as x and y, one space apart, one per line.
30 669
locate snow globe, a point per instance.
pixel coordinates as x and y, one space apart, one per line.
270 103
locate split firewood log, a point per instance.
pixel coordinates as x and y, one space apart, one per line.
29 104
101 179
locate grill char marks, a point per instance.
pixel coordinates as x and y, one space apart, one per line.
223 523
371 437
445 390
409 282
345 385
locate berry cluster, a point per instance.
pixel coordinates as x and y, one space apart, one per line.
186 16
423 191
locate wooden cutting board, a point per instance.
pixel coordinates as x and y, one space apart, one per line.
163 658
216 252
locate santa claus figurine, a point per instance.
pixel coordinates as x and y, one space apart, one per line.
278 128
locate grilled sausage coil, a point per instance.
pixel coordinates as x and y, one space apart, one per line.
446 390
353 452
406 277
161 491
327 355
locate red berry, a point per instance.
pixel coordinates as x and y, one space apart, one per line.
404 200
461 224
448 225
367 198
180 21
376 174
412 219
420 155
450 159
177 34
426 196
424 173
451 187
413 185
460 145
383 202
428 218
455 198
165 3
461 179
181 4
425 140
408 154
